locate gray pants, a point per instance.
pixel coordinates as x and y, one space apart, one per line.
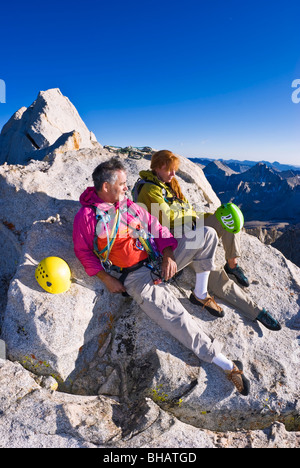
160 304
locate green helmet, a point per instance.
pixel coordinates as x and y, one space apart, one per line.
231 217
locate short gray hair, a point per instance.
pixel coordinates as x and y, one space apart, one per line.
107 172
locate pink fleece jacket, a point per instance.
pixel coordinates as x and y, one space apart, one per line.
85 225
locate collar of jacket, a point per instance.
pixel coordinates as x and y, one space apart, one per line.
150 176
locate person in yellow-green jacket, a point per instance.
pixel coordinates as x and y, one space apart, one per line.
159 191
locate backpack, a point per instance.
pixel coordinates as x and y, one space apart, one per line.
139 185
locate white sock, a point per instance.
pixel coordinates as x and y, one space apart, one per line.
201 285
223 362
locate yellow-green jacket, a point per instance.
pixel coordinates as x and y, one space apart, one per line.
162 203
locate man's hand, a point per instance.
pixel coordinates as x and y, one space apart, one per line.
112 284
169 266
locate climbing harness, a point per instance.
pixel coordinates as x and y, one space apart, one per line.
144 241
103 218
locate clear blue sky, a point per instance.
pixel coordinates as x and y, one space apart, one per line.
201 78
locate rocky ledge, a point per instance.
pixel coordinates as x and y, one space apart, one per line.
121 381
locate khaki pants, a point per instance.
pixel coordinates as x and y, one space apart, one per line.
231 242
160 304
227 290
219 283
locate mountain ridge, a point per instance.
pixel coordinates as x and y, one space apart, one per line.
262 193
269 199
246 164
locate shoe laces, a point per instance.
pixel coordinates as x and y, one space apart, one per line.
235 377
211 300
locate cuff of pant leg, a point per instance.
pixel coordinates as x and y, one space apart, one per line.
204 265
213 351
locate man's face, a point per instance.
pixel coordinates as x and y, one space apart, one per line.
117 190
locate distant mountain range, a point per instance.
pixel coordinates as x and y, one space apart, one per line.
242 166
267 192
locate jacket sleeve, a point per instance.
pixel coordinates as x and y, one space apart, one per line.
83 240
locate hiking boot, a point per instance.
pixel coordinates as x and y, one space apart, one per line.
236 376
208 304
238 273
268 321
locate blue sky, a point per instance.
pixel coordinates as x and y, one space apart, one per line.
201 78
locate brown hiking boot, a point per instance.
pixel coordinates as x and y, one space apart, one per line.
236 376
208 304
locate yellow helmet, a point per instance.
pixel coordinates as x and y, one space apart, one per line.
54 275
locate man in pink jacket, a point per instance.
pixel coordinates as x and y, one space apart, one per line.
106 236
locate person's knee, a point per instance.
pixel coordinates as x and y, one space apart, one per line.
211 235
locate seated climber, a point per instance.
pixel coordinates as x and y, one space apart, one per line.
158 187
164 165
112 233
